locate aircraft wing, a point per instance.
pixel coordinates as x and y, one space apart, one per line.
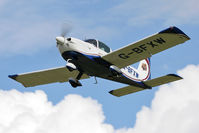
60 74
144 48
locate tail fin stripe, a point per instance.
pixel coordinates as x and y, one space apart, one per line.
149 72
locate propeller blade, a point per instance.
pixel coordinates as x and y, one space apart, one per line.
66 28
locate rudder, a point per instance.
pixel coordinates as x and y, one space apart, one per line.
144 69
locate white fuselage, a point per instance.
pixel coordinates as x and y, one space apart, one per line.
81 47
89 49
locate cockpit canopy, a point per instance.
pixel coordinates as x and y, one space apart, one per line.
99 45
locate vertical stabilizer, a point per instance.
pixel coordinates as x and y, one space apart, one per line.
144 69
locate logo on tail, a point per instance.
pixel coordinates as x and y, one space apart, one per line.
144 66
144 70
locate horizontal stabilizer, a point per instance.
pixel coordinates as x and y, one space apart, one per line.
162 80
126 90
150 83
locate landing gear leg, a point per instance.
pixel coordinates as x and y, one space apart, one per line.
75 82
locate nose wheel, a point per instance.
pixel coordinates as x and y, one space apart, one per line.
75 81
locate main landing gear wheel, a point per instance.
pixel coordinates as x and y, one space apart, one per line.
75 82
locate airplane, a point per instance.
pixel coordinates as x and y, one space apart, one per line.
93 58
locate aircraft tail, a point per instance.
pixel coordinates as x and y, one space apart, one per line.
151 83
144 69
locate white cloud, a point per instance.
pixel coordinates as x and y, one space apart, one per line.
33 113
174 109
171 12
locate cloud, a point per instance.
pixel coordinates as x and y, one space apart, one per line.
170 12
174 109
33 113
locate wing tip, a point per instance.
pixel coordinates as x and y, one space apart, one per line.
174 30
175 75
13 76
112 93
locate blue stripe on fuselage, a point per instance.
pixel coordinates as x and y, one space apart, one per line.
91 56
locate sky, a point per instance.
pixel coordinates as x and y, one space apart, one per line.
28 31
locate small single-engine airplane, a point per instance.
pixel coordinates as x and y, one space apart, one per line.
92 57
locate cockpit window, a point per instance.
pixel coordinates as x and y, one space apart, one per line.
103 47
92 41
99 45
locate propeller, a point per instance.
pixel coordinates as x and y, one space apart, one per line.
65 30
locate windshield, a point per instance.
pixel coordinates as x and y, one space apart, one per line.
99 45
104 47
92 41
